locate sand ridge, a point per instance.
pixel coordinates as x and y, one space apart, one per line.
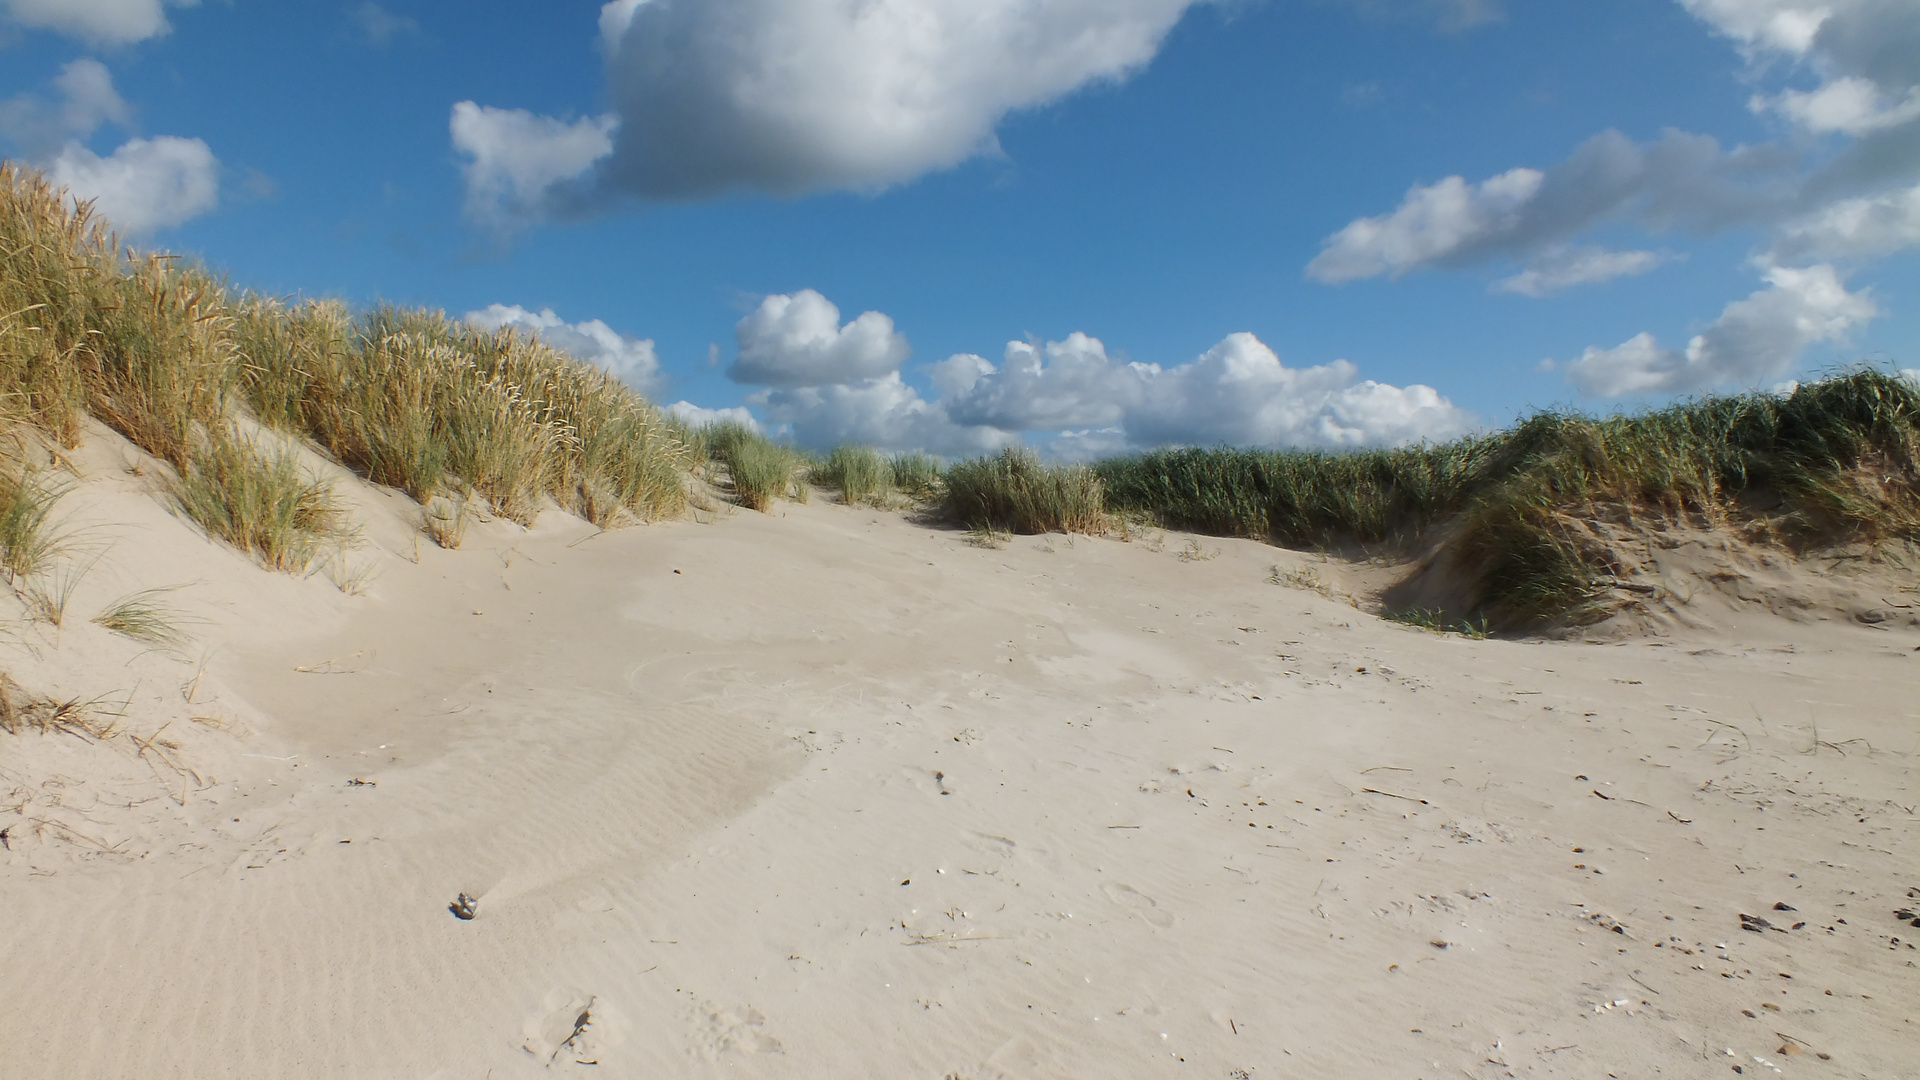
830 793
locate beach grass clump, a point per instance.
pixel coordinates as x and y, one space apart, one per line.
1515 511
286 352
1015 491
918 476
1435 620
1295 497
144 616
28 540
166 355
759 469
263 502
55 275
859 473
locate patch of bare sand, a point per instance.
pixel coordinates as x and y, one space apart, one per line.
829 794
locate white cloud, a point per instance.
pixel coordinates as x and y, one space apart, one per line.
1565 268
1431 224
99 22
1866 54
1860 227
520 166
695 416
88 100
1063 384
1089 444
1787 26
1238 392
1679 180
629 359
1864 57
826 383
797 340
146 184
883 412
1850 105
1754 341
381 26
792 96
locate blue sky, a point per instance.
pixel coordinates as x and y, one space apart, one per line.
1086 225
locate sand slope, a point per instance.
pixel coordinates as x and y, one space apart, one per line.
831 794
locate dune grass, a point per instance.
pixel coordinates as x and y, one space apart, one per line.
143 616
263 502
28 540
21 711
168 356
859 473
1836 460
1015 492
918 476
862 475
759 469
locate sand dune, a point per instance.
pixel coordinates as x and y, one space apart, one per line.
827 793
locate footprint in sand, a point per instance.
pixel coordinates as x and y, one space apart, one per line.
988 844
741 1031
1140 903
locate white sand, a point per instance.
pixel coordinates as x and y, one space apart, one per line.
830 794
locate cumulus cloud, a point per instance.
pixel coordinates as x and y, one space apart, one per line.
797 340
1754 341
521 166
1432 223
1237 392
1864 60
797 96
1563 269
146 184
1860 227
98 22
1679 180
826 383
629 359
695 416
883 412
1866 56
1063 384
1849 105
87 100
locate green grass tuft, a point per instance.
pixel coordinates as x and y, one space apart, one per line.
1014 491
262 502
858 473
165 354
1838 459
918 476
759 469
28 541
143 617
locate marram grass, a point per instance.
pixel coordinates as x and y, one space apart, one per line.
759 469
1836 460
168 356
1016 492
859 473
